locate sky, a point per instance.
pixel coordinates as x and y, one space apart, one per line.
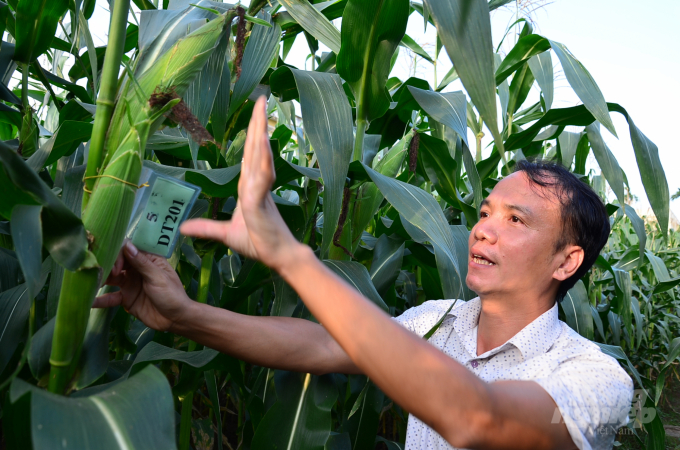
629 47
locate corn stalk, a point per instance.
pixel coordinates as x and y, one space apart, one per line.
107 93
110 205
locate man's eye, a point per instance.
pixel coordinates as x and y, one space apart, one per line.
516 219
483 214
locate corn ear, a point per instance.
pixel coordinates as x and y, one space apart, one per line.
175 69
110 206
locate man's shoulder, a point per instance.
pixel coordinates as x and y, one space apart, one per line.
572 349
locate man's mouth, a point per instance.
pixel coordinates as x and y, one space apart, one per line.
479 259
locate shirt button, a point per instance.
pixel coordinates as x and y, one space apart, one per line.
474 364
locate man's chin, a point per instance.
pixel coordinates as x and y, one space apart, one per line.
480 285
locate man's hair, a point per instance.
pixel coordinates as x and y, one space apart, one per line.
585 221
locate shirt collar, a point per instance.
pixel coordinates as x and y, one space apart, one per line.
533 340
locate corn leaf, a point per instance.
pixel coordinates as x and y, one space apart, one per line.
328 124
118 417
449 108
314 22
36 25
576 307
542 67
261 48
301 416
584 85
465 30
356 275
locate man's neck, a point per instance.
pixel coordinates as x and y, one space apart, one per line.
501 318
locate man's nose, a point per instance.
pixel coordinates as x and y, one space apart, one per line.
486 230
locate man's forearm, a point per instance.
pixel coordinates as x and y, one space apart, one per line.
277 342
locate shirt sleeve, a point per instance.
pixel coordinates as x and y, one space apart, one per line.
593 395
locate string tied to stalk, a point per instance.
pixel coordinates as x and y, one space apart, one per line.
115 178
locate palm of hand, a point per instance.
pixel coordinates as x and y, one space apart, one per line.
256 229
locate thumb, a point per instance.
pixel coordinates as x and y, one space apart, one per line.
141 262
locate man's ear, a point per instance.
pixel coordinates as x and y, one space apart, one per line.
573 258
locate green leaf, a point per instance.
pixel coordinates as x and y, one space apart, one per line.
503 91
639 322
465 29
639 227
369 197
449 78
84 29
449 108
94 357
73 88
622 305
27 237
584 85
262 47
356 275
371 31
673 352
362 426
461 238
408 42
568 144
63 232
422 211
14 307
221 183
115 418
314 22
606 160
525 49
387 257
439 166
392 125
201 94
576 307
301 416
328 125
651 171
211 385
63 142
542 67
36 25
220 109
10 270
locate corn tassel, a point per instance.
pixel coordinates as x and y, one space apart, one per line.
110 206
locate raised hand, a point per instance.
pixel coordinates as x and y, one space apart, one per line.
256 229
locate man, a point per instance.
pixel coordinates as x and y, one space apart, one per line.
500 372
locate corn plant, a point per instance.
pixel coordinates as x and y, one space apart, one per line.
378 176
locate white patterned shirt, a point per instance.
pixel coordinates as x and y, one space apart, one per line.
593 393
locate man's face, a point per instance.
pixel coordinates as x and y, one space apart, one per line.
512 247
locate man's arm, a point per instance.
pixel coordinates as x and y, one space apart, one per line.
466 411
151 291
277 342
463 409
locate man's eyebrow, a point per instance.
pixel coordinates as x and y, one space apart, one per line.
522 209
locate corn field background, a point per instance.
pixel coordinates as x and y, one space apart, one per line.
376 174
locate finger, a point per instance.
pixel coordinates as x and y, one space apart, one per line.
204 228
141 263
254 130
108 300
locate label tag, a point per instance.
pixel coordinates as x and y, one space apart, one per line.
163 206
